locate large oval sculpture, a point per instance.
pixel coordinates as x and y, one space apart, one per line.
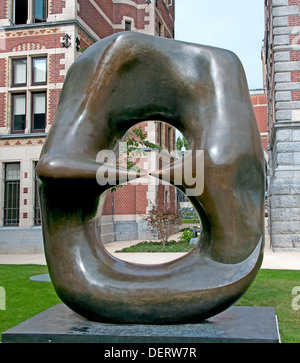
202 91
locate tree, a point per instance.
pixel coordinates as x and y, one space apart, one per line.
162 220
134 141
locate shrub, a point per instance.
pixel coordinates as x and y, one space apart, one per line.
186 236
161 221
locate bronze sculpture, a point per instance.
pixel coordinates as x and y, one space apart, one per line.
202 91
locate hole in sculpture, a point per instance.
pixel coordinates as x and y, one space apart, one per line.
147 220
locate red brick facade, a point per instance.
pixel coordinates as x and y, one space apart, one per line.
28 43
57 6
106 17
260 107
131 199
24 36
165 20
101 17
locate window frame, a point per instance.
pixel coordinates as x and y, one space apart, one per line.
160 29
13 12
160 134
29 90
128 25
37 218
169 130
40 20
30 12
33 130
7 222
13 95
33 83
13 84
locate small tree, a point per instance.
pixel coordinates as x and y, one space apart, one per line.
161 221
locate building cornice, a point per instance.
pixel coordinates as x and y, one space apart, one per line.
60 23
23 136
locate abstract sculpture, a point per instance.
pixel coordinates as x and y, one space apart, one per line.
202 91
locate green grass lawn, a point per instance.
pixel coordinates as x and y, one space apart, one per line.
191 221
25 298
274 288
171 246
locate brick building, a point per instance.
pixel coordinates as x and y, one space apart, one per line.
260 106
39 40
282 54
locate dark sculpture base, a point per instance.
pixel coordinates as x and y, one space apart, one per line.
59 324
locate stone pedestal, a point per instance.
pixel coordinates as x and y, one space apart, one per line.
59 324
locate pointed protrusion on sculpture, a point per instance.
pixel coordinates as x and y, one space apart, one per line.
68 168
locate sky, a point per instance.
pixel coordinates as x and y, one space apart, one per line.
236 25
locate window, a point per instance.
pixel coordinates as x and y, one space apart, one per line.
160 134
20 11
38 111
28 11
11 194
28 103
169 139
18 113
19 69
127 25
160 29
40 11
36 211
39 71
38 74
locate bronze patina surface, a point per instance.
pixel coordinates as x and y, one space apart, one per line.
202 91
